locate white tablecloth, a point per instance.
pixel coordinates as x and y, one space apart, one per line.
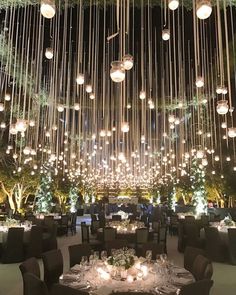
223 232
4 233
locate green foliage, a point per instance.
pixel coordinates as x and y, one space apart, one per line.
44 194
73 196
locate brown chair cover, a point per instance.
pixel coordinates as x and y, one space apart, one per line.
200 267
35 246
214 247
202 287
13 249
33 285
190 254
115 244
154 247
232 245
77 251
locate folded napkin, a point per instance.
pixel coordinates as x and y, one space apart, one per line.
182 281
78 285
70 277
76 267
167 289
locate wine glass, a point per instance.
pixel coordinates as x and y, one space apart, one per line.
149 255
84 260
91 259
163 257
103 255
96 255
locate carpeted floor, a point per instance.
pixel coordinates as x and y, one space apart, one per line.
224 275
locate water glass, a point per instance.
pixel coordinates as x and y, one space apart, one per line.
149 255
84 260
104 255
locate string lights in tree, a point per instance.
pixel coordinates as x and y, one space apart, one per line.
44 195
73 196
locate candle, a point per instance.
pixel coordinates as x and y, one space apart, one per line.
144 269
130 279
139 276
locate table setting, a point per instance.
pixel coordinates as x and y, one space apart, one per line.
9 223
125 227
123 271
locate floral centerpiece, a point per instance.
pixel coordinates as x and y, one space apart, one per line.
122 258
227 221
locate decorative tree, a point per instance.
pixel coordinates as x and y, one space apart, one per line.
197 176
73 196
44 194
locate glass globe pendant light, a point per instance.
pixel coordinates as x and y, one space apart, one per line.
88 88
128 62
222 107
60 108
49 53
117 72
232 132
173 4
76 106
7 97
199 82
48 8
166 34
21 125
125 127
80 79
142 94
204 9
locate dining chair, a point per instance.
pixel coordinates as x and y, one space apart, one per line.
76 252
154 247
94 243
53 266
202 268
162 237
215 249
201 287
116 217
189 218
30 265
95 224
115 244
33 285
232 245
50 238
13 250
59 289
109 234
34 247
190 253
63 226
72 224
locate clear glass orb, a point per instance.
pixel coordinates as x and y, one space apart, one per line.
92 96
26 150
199 82
49 53
204 9
173 4
224 125
200 154
102 133
117 71
80 79
125 127
3 125
88 88
21 125
224 90
128 62
48 8
1 107
204 162
232 132
171 119
222 107
76 106
60 108
217 158
219 89
142 94
166 34
7 97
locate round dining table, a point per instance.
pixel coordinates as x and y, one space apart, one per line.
98 278
4 232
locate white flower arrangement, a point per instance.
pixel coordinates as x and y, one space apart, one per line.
122 258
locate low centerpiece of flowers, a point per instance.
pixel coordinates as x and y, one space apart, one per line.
122 258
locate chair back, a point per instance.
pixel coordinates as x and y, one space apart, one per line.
115 244
35 246
13 248
214 246
64 220
53 266
95 224
202 287
189 218
48 220
76 252
109 234
232 245
29 266
155 226
93 217
116 217
154 247
199 267
33 285
141 235
190 254
85 233
59 289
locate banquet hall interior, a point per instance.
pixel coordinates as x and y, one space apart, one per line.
117 147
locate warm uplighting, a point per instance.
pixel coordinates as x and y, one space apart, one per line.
204 9
80 79
199 82
117 72
232 132
128 62
49 53
48 8
125 127
166 34
173 4
222 107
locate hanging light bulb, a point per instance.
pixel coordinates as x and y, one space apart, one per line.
128 106
166 34
228 159
173 4
125 127
204 9
222 107
224 90
60 108
224 125
151 105
49 53
7 97
3 125
128 62
219 89
54 127
80 79
171 119
92 96
12 129
76 107
199 82
26 150
232 132
102 133
200 154
48 8
1 107
142 94
31 123
21 125
204 162
117 71
88 88
217 158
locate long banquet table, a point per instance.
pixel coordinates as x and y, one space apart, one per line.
98 279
